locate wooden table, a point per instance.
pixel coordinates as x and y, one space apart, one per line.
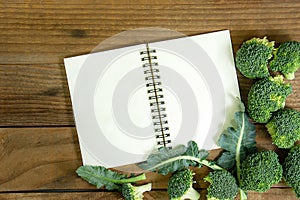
39 150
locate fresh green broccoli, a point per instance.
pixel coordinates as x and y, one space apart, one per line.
259 171
252 57
266 96
131 192
291 169
284 127
180 186
287 59
222 186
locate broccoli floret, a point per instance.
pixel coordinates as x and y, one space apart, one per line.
284 127
222 186
266 96
259 171
180 186
291 169
131 192
252 57
287 59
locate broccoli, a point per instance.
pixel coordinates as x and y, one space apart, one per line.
252 57
291 169
222 186
284 127
180 186
287 59
259 171
131 192
266 96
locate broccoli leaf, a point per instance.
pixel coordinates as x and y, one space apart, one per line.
226 160
100 176
237 141
171 160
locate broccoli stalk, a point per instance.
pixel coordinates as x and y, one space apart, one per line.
291 169
131 192
167 160
287 59
103 177
205 162
267 96
252 57
180 186
259 171
284 127
222 186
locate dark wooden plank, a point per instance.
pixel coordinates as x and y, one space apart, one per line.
153 195
274 193
47 32
38 158
34 96
48 157
38 95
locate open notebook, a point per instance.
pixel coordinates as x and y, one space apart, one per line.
130 101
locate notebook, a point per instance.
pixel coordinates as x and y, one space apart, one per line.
130 101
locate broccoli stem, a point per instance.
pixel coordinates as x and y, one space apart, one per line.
243 195
144 188
132 179
125 180
211 165
289 76
238 148
203 162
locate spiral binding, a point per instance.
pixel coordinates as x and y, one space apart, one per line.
155 92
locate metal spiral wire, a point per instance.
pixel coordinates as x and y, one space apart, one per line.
155 96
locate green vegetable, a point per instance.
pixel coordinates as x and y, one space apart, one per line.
259 171
238 141
291 169
131 192
100 176
171 160
284 127
252 57
180 186
287 59
267 96
222 186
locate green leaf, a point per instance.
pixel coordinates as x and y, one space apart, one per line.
171 160
100 176
226 160
193 150
238 141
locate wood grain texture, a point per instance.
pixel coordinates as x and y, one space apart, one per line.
49 157
274 193
39 150
47 31
39 96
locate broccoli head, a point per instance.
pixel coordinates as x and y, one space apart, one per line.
287 59
222 186
252 57
131 192
267 96
291 169
284 127
180 186
259 171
